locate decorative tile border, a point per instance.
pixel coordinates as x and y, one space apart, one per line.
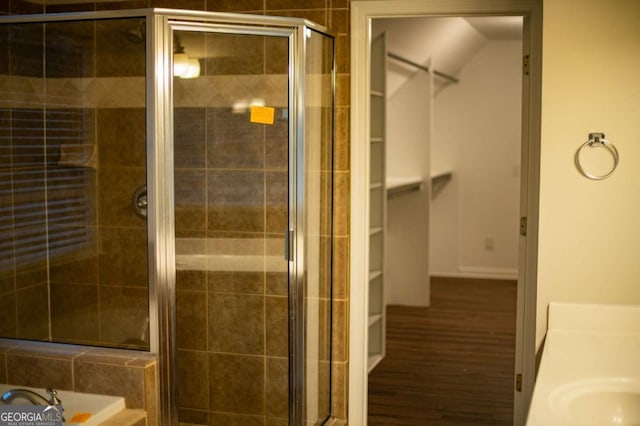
129 92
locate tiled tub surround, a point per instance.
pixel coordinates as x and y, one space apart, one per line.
130 374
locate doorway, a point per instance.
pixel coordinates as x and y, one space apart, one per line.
363 14
452 119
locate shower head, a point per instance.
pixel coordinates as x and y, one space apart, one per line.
137 35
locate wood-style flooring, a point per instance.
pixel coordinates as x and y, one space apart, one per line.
451 363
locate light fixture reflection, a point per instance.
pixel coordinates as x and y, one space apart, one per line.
242 105
183 65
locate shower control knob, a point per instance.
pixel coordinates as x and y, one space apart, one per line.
140 201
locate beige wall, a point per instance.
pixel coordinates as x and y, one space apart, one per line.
589 241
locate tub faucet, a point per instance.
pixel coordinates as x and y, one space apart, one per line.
33 397
53 397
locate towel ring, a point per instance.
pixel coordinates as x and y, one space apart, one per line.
597 140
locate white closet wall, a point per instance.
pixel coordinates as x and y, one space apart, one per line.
474 222
467 226
408 135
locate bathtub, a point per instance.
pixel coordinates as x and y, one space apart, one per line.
79 408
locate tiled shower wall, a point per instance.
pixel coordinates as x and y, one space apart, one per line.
101 298
232 326
335 15
231 188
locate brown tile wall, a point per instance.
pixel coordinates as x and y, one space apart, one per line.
335 15
105 289
130 374
231 183
122 271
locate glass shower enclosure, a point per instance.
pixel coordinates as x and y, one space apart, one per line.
166 185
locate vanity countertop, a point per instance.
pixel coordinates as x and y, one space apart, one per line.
590 368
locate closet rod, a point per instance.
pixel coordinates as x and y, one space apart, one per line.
422 67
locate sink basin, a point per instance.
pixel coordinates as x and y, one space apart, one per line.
589 373
600 401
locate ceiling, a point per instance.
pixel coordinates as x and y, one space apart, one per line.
498 27
447 42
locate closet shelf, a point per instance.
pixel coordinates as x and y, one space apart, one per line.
374 274
438 181
374 318
373 360
400 185
437 178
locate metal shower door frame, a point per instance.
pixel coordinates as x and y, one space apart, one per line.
161 28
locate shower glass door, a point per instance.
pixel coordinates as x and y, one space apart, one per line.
317 214
253 191
72 154
231 189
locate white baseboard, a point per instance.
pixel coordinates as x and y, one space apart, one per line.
481 273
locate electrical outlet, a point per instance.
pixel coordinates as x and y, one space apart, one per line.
489 243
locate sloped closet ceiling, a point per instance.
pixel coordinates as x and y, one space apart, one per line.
449 42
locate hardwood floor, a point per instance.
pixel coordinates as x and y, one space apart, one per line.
451 363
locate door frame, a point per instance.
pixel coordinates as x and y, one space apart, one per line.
362 12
